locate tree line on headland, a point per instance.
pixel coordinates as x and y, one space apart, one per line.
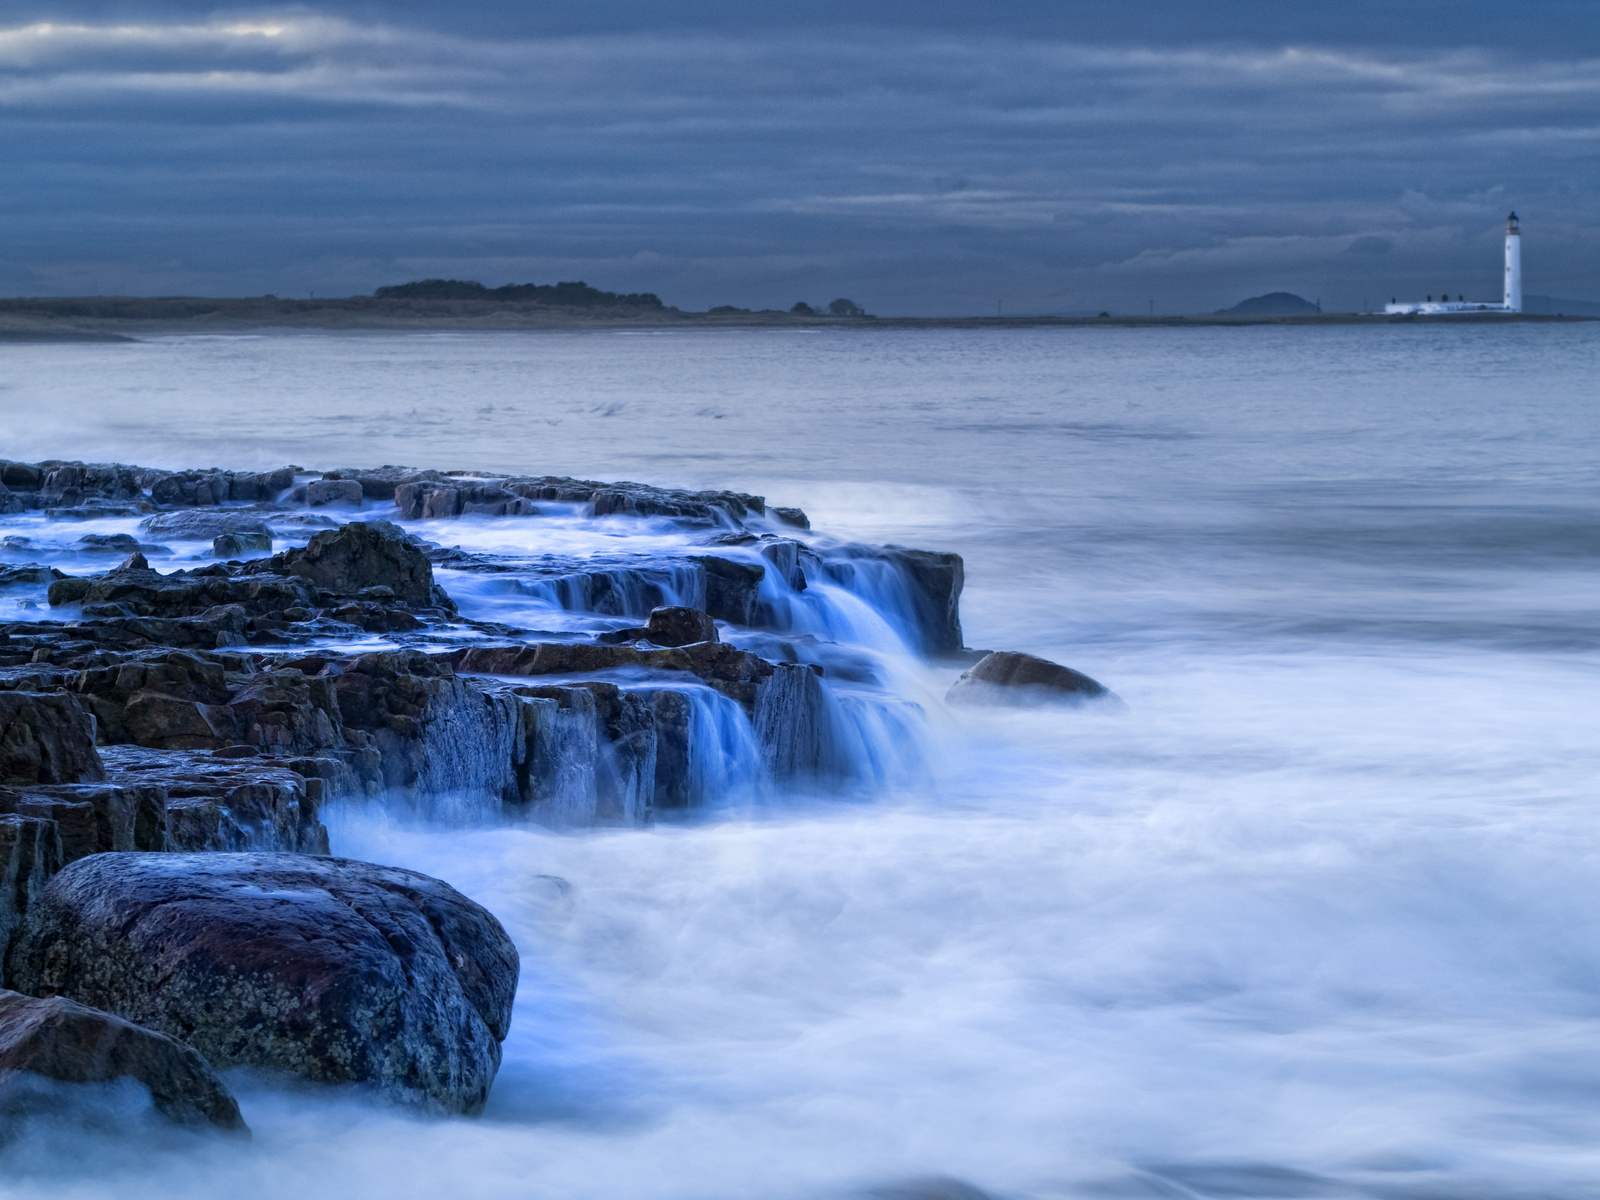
571 294
577 294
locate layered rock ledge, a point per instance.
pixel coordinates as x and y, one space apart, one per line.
184 690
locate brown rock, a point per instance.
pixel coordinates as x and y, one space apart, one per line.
1008 677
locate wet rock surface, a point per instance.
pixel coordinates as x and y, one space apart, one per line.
322 968
61 1040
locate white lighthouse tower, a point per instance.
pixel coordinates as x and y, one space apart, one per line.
1512 302
1513 265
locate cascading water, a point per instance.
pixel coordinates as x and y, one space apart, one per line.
563 759
618 592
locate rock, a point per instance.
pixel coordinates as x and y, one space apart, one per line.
218 487
790 516
91 818
211 803
30 853
23 476
360 555
328 969
323 492
260 486
784 555
232 545
734 672
379 483
1007 677
935 580
732 588
672 625
210 593
192 526
56 1038
109 543
46 739
25 573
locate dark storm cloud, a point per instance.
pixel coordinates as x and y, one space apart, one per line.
929 166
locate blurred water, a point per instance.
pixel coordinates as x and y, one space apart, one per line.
1315 918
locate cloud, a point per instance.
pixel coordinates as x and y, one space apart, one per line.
915 168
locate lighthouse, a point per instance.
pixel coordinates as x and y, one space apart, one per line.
1443 306
1513 265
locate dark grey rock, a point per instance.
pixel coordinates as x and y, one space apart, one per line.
784 555
30 853
46 739
109 543
379 483
321 492
669 625
325 968
232 545
56 1038
1008 677
935 580
357 556
26 573
733 588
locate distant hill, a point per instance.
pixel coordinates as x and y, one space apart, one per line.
1555 304
1273 304
561 295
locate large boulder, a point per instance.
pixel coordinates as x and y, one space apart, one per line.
1009 677
324 968
46 738
56 1038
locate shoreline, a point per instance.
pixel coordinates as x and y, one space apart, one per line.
114 319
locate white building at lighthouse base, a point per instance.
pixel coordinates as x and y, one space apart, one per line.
1435 307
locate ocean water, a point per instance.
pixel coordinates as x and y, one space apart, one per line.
1319 915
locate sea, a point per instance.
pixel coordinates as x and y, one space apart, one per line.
1316 914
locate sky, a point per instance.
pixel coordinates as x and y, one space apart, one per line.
921 158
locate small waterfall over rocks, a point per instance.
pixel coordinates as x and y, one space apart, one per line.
512 675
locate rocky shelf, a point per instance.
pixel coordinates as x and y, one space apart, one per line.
197 663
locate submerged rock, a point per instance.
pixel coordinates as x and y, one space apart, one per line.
1009 677
56 1038
328 969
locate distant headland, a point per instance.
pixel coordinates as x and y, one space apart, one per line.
465 305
